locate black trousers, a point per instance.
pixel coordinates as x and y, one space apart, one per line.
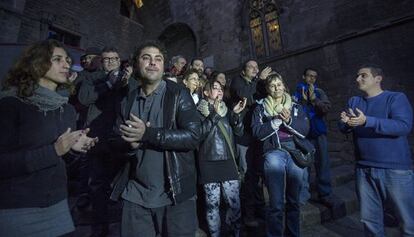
104 167
174 220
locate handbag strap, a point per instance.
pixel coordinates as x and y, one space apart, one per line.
228 141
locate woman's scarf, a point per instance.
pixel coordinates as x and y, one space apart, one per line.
204 108
43 98
273 108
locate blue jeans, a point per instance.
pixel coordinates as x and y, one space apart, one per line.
377 187
283 178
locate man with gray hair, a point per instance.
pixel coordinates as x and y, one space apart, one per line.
178 63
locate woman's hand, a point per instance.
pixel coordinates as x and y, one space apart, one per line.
285 115
66 141
238 108
84 143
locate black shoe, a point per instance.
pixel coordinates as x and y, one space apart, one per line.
251 222
100 230
330 201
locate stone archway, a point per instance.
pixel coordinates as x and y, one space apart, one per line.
179 39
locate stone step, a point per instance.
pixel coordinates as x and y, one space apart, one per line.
334 161
339 175
352 226
315 213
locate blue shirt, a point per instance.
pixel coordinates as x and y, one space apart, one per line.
382 142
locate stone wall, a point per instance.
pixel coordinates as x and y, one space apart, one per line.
98 23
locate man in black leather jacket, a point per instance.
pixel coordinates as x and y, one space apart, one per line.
158 122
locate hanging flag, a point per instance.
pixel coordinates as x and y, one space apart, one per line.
138 3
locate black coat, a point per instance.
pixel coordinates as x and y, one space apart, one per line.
214 146
179 136
254 90
215 161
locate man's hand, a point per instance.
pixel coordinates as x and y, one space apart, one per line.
285 115
238 108
133 129
357 120
344 117
311 90
265 73
72 77
128 72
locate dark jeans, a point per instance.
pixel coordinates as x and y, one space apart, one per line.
252 188
84 171
104 167
174 221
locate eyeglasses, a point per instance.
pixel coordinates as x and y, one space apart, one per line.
113 59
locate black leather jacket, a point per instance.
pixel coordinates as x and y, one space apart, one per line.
214 146
179 136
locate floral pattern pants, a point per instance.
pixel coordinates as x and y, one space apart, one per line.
230 190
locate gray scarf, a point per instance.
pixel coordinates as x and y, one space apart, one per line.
43 98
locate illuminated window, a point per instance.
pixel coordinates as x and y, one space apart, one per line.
264 28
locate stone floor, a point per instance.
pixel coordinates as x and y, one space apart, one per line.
346 226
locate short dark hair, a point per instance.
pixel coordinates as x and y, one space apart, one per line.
244 65
194 59
374 68
149 44
209 85
108 49
188 73
309 69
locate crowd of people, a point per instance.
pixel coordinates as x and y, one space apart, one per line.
174 142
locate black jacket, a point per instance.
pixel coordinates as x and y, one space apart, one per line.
214 145
254 90
95 94
31 173
179 136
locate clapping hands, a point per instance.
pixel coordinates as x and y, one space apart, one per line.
76 140
133 130
352 119
238 108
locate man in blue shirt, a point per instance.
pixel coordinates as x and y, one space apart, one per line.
317 105
380 122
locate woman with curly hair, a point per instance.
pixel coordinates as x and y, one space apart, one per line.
36 134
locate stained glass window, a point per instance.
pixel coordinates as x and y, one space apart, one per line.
257 34
264 28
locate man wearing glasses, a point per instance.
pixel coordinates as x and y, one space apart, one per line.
97 92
